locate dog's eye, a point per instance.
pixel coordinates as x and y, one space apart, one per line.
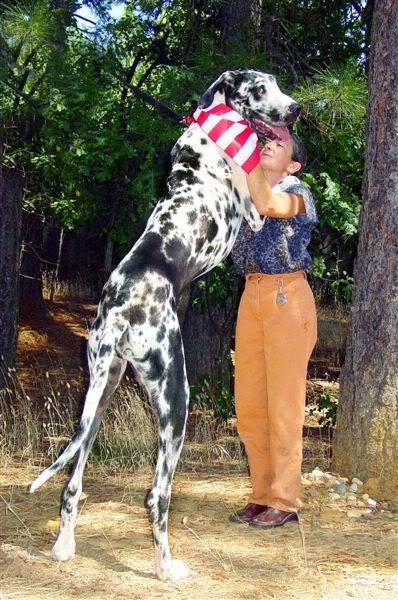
260 90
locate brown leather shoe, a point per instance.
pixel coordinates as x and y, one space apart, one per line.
273 517
246 514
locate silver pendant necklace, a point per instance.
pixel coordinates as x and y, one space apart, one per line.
281 297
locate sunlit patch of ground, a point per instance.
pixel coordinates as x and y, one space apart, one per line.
328 556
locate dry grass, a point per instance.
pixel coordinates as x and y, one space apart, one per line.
127 438
329 557
80 288
127 435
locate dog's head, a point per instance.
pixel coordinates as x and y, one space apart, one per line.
257 97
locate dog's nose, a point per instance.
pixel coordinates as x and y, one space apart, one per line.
295 109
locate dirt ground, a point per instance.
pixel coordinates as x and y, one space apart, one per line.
328 556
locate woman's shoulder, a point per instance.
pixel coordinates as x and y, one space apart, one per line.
290 182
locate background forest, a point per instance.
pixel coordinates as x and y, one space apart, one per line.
91 106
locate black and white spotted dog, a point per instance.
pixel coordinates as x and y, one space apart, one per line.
190 231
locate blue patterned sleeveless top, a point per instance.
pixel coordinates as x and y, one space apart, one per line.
281 245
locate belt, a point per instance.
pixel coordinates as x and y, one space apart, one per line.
277 276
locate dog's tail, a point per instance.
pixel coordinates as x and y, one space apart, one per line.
98 383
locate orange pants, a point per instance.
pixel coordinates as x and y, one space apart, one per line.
273 345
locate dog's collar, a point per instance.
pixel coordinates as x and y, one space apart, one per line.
218 109
230 131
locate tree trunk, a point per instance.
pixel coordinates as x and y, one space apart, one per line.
366 442
10 221
207 340
55 273
31 301
240 21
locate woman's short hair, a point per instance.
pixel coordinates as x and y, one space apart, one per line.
299 153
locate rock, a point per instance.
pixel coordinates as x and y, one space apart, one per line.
372 486
368 517
357 481
360 503
393 505
340 487
334 496
353 487
384 505
317 473
365 497
372 502
352 499
305 482
354 513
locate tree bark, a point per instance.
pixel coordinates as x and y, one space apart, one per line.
31 301
10 231
366 441
207 340
240 21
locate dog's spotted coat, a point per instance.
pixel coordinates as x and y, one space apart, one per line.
190 231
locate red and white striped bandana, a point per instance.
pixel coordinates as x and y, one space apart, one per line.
230 132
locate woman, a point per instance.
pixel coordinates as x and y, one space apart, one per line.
275 335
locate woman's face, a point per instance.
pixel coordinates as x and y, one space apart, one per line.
276 157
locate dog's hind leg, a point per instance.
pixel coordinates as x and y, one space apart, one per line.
64 547
102 360
164 375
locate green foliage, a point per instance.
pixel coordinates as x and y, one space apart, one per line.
93 151
338 209
207 395
215 287
27 24
334 100
336 236
325 409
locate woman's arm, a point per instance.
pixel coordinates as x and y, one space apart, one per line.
280 205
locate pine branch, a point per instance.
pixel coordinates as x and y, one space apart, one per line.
76 15
129 76
148 72
162 108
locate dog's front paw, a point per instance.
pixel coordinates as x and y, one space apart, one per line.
175 570
63 550
255 220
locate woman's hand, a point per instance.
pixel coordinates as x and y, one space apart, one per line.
279 205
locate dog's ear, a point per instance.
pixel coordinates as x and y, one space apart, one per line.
208 96
224 82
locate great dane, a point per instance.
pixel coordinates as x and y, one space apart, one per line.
191 230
